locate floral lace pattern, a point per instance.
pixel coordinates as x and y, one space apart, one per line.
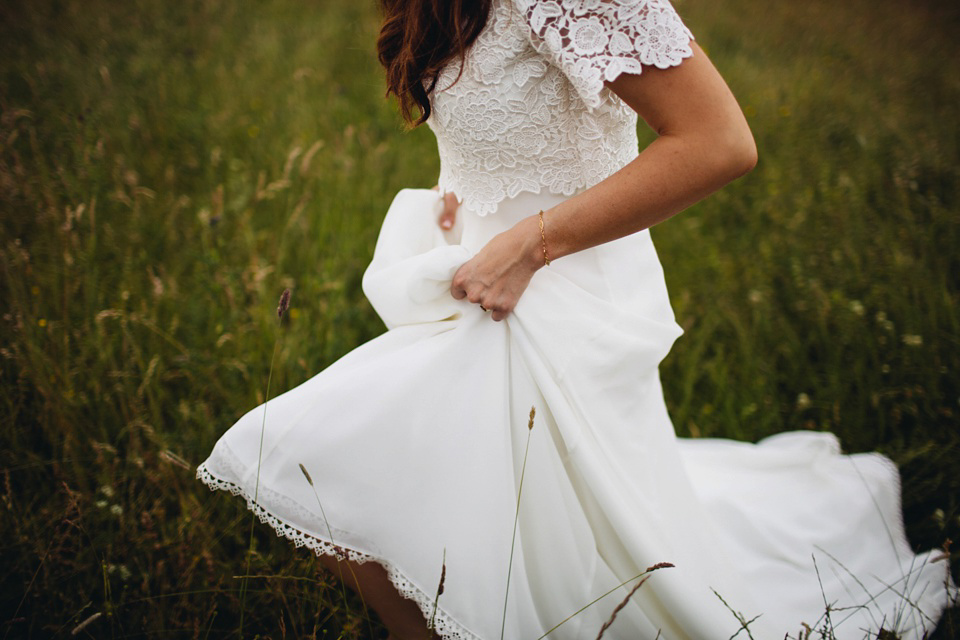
222 464
530 111
596 40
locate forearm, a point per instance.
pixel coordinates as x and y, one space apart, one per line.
704 143
671 174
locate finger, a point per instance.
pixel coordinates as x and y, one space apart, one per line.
456 288
458 284
449 215
447 218
499 309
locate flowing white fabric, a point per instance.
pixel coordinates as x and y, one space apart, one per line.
415 442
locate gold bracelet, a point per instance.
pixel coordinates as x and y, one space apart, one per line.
543 241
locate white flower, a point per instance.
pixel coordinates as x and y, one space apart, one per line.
528 140
116 510
662 40
912 340
589 36
856 307
803 402
565 176
490 64
485 193
478 112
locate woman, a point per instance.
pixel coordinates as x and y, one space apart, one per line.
541 287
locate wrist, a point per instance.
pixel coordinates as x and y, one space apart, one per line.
530 240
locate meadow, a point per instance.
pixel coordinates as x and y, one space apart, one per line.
168 168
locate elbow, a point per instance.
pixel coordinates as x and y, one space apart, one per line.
742 151
735 155
747 155
727 152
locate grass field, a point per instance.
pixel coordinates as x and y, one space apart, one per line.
167 168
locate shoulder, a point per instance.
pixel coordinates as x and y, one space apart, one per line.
595 41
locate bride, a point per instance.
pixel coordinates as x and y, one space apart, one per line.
529 279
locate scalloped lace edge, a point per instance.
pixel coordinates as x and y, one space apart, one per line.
483 208
443 624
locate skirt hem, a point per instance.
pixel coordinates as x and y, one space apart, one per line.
444 625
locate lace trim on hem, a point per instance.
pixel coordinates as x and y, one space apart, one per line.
444 625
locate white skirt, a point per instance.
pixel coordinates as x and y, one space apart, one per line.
415 443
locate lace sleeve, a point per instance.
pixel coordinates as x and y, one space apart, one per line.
593 41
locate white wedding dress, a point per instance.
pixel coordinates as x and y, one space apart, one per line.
415 441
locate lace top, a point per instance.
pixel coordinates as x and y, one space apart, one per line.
531 112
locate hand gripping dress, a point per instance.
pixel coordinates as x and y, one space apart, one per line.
415 441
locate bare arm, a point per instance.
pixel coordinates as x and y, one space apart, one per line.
703 143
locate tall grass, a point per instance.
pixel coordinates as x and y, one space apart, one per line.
165 168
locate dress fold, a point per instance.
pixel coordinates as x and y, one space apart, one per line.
416 443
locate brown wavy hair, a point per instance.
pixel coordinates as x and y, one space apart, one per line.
417 39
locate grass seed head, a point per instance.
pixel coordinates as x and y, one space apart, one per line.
619 607
533 413
86 623
284 303
306 475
